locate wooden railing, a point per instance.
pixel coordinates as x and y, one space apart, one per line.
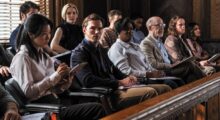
195 101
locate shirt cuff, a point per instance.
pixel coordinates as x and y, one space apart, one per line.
54 78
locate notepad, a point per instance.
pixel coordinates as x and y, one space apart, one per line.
77 67
185 61
214 57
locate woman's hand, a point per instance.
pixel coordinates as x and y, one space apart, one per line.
63 70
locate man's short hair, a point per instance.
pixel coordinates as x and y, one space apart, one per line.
91 17
25 7
114 12
135 16
121 24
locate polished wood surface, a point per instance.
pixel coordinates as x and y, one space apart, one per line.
149 104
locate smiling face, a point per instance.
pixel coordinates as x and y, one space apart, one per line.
43 38
71 15
92 30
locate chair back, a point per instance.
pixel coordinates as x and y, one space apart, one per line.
14 89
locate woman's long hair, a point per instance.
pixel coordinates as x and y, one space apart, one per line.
34 25
172 25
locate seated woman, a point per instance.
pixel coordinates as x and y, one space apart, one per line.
193 40
68 35
194 34
33 69
176 45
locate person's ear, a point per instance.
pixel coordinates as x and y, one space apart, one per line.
150 28
23 17
31 35
84 29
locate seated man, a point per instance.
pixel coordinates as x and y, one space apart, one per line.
100 72
9 109
25 10
5 60
128 57
137 33
154 50
109 35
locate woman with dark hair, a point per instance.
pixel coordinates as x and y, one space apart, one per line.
194 34
68 34
33 69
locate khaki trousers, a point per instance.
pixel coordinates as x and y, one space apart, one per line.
132 96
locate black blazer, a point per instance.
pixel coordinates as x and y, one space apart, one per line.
100 71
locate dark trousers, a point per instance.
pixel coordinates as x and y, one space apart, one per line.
84 111
188 72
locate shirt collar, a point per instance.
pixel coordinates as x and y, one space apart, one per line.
90 45
154 39
127 44
24 48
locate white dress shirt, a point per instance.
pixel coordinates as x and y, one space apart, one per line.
35 79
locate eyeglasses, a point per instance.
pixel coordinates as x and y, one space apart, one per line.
162 25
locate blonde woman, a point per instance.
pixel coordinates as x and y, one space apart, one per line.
68 34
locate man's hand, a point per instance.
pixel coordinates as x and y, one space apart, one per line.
174 64
4 71
128 81
12 114
155 74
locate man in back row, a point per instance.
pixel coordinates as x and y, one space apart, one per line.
26 9
109 35
100 72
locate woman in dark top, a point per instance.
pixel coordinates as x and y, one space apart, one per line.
194 42
194 34
68 35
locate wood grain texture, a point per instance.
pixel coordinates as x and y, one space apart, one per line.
149 105
215 19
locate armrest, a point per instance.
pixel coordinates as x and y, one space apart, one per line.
85 94
40 107
100 90
145 80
